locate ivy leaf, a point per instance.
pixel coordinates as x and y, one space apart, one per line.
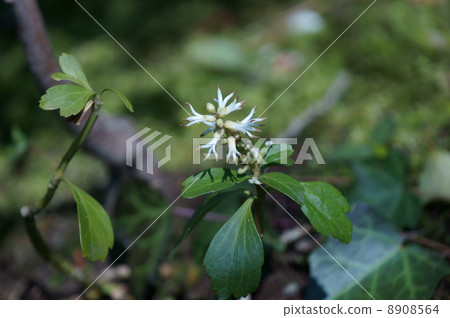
72 71
70 99
323 204
235 256
383 184
378 259
96 232
279 154
122 98
211 180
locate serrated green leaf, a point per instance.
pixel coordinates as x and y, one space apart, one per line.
211 180
325 207
71 67
70 99
96 232
122 98
235 256
63 77
279 154
322 203
379 261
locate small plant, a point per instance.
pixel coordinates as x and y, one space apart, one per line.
235 255
75 101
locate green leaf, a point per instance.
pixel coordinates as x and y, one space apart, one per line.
122 98
235 256
434 182
72 68
325 207
63 77
378 259
322 203
279 154
70 99
96 232
211 180
383 184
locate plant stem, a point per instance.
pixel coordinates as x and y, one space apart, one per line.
259 209
59 172
42 248
29 212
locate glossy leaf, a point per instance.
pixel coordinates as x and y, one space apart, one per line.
378 259
122 98
211 180
72 68
322 203
70 99
96 232
325 207
235 256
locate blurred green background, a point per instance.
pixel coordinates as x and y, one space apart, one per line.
385 141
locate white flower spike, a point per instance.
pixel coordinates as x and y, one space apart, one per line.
222 103
225 132
211 145
246 125
209 120
235 105
232 151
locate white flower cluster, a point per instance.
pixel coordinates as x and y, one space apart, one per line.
226 131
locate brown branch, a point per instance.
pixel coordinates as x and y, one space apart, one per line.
31 31
413 237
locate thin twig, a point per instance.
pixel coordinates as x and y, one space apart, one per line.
437 246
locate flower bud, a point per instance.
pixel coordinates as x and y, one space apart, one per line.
242 170
219 122
223 112
210 108
209 118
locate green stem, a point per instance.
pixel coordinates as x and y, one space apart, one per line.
29 212
259 209
59 172
42 248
